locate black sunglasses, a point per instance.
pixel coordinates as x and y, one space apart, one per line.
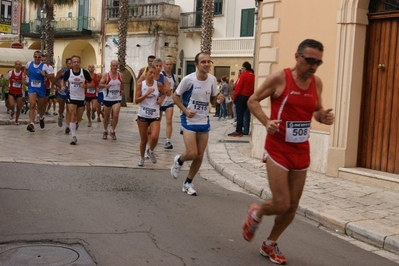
38 57
311 61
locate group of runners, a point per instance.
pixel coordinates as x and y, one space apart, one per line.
295 96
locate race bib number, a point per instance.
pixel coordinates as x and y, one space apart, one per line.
16 84
199 106
115 92
149 111
91 91
297 132
36 83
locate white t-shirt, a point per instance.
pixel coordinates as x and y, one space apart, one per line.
149 107
196 95
169 99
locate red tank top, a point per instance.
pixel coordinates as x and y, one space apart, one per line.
15 83
294 107
91 92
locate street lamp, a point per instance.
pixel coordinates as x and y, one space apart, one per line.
41 26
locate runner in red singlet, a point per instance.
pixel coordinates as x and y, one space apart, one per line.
295 95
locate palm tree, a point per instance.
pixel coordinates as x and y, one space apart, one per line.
207 25
122 33
50 32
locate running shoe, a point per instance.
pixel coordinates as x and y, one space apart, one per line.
188 188
12 115
93 115
273 253
89 124
31 128
47 113
74 140
146 154
141 161
251 223
16 123
105 135
77 125
67 130
41 121
98 119
55 113
113 135
151 155
59 121
168 146
175 169
37 118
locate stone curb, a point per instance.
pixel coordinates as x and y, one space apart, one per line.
366 231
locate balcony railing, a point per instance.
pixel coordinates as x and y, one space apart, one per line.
156 10
190 20
62 25
240 47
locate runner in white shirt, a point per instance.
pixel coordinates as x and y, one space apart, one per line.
167 105
78 80
112 85
193 96
149 96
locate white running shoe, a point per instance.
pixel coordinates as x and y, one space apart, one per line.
146 154
188 188
141 161
175 169
151 155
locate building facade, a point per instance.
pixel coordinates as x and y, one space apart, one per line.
358 74
232 40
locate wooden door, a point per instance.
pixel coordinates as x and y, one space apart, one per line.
378 135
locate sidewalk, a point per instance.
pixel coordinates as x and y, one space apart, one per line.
366 213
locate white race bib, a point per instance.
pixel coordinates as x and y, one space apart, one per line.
16 84
36 83
297 131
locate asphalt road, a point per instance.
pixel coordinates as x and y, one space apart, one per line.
141 217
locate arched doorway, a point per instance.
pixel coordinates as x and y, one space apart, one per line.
129 82
379 120
81 48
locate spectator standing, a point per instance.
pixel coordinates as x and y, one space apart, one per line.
244 88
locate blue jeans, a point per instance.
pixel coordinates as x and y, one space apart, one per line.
223 109
241 107
247 121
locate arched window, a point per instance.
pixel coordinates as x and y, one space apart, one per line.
377 6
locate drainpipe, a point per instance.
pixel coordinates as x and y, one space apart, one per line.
256 13
102 49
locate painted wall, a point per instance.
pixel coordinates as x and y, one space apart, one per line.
341 26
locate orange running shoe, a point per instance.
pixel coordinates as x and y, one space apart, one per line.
251 223
273 253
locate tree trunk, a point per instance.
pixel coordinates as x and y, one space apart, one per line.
122 36
207 26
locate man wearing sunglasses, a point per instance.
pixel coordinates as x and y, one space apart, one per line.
36 71
295 95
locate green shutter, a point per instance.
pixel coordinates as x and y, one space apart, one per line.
247 22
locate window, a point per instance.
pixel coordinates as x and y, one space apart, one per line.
218 7
247 22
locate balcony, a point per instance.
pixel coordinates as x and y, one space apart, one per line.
64 27
143 11
237 47
190 22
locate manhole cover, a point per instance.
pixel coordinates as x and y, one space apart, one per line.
43 254
233 141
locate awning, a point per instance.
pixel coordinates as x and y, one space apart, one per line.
8 56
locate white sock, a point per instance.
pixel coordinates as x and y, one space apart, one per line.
72 127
